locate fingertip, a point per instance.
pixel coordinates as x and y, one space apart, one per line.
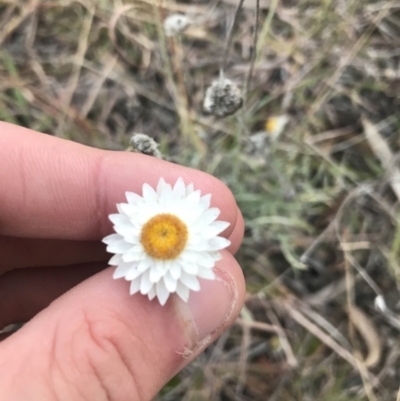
215 307
236 236
113 335
50 181
92 182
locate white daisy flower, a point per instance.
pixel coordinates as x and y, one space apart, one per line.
275 125
166 239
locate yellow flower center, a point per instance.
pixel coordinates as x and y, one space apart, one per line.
164 236
271 125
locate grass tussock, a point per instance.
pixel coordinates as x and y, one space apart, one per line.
320 199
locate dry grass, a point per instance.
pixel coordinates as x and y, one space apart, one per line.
321 201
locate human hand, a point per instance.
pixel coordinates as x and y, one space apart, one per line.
87 338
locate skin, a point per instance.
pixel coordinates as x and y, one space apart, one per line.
86 337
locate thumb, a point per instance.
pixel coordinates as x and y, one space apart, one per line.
98 342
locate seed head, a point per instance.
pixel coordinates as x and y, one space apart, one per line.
257 144
142 143
223 98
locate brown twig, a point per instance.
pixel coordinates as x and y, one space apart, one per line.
247 87
230 36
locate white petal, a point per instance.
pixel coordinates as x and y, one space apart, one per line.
197 226
175 207
167 197
199 247
216 256
155 275
190 214
133 273
135 286
179 189
162 292
206 260
144 264
119 218
217 227
145 283
122 270
206 273
189 256
127 209
190 268
133 199
119 247
182 291
134 253
194 238
149 195
175 271
168 265
210 215
161 186
115 260
218 243
132 238
170 282
190 281
205 201
193 198
189 189
147 212
159 265
128 232
112 238
152 293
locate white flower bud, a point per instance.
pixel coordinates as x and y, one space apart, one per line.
380 304
176 23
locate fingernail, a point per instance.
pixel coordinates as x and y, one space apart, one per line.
210 309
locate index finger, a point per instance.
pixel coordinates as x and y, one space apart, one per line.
54 188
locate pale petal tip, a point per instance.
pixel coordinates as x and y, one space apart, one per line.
162 183
162 300
116 275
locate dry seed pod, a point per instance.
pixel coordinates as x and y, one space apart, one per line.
223 98
142 143
175 24
257 143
